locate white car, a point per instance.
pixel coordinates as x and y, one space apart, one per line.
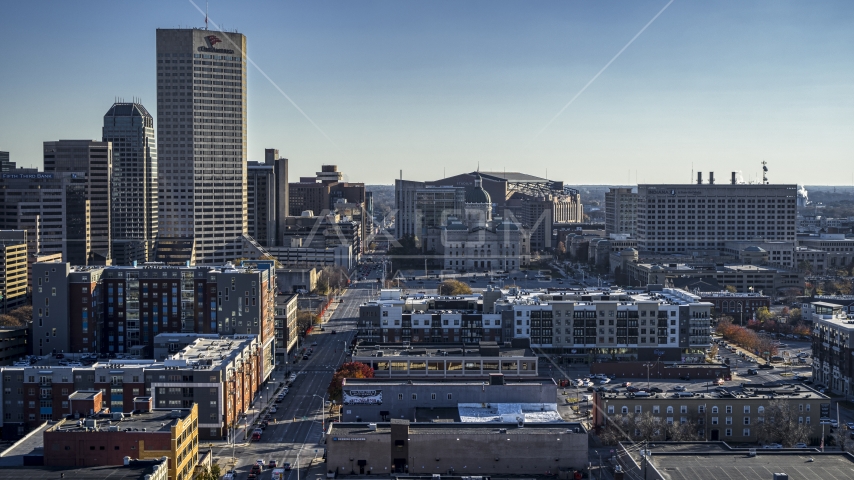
850 425
679 388
801 445
588 383
604 381
579 383
773 445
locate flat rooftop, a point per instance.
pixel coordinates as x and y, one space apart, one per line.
154 421
754 392
135 471
438 351
739 466
208 352
388 381
446 428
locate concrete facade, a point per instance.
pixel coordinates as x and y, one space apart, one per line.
91 165
202 191
621 211
693 218
455 449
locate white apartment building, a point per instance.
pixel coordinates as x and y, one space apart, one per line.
670 324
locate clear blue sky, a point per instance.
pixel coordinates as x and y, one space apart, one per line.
442 86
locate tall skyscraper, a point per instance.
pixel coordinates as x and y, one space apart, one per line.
5 164
90 163
201 109
130 128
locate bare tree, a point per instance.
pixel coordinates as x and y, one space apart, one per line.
782 423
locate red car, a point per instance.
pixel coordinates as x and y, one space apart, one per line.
632 389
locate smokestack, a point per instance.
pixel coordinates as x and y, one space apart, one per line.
699 178
732 179
711 178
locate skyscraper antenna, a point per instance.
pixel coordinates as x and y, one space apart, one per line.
206 15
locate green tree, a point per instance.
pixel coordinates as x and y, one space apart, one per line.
210 473
454 287
348 370
764 315
731 289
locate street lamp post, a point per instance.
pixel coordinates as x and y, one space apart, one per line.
322 414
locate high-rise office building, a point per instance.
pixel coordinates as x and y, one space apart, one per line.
5 164
201 134
51 207
89 163
130 128
681 218
267 198
620 211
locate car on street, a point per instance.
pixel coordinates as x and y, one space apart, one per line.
801 445
752 371
286 466
271 464
766 366
313 344
305 357
273 409
850 425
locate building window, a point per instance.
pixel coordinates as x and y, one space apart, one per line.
747 420
714 420
747 409
729 409
745 432
670 409
415 396
624 410
728 432
610 409
729 420
683 409
656 409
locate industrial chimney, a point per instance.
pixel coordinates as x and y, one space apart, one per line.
732 178
699 178
711 178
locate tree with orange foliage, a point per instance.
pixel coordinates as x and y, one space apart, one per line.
348 370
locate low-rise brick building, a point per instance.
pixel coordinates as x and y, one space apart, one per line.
107 439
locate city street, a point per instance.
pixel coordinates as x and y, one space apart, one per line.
295 429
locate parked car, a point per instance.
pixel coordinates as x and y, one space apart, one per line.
773 445
752 371
801 445
604 381
655 390
679 388
632 389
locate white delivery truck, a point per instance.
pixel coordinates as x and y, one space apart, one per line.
279 474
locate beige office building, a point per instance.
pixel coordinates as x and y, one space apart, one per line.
679 218
201 144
